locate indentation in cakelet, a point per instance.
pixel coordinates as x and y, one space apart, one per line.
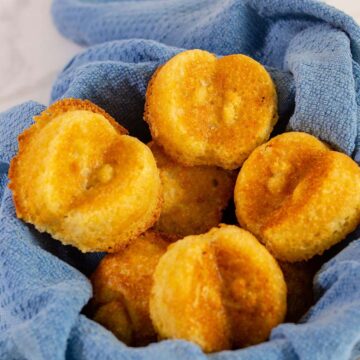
102 175
193 197
209 111
220 290
232 102
280 175
77 176
298 196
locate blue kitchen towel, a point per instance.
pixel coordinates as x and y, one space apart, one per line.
317 44
311 50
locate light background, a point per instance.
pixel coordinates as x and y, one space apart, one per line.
33 53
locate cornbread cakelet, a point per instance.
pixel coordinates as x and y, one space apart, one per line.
194 197
220 290
297 196
209 111
121 286
79 177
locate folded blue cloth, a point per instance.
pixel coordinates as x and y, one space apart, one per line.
311 50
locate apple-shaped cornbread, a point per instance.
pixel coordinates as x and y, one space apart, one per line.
220 290
79 177
194 196
297 196
209 111
122 284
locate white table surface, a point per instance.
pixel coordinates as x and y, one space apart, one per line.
33 53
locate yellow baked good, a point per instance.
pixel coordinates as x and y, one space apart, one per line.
209 111
114 317
193 197
220 290
121 286
297 196
79 177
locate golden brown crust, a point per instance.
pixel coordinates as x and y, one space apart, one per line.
220 290
77 176
194 197
297 196
123 281
208 111
65 105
